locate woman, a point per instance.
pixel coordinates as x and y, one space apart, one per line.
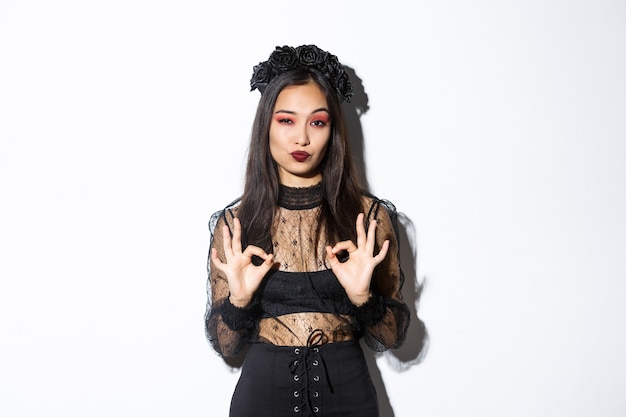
305 263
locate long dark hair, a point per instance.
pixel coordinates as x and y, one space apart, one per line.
341 188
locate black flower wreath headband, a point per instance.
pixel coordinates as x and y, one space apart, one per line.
287 58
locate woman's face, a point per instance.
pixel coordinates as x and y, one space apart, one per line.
299 133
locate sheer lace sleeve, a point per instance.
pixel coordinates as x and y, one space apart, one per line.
228 328
385 317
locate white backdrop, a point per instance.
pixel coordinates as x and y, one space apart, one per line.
497 128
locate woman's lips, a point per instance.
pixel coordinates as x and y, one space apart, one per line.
300 156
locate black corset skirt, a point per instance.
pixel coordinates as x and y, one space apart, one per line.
330 380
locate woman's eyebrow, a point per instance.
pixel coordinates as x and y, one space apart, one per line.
293 112
320 109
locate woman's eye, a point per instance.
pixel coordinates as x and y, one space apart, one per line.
285 121
318 123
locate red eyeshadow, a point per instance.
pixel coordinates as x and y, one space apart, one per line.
279 117
322 118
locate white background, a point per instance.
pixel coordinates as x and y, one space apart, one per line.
498 128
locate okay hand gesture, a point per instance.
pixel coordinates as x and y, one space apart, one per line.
355 274
243 276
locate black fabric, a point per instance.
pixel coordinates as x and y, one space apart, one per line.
330 380
238 318
299 198
290 292
371 312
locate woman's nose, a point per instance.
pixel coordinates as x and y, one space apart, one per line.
303 138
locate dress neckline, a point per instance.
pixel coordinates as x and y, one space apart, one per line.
300 198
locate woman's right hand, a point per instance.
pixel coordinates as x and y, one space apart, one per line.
243 276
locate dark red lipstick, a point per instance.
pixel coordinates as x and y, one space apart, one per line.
300 156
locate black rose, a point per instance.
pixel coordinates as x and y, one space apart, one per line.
343 85
310 55
261 75
283 59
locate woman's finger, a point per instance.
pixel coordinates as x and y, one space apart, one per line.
382 253
237 236
346 245
216 260
371 237
360 231
255 250
331 257
267 264
228 250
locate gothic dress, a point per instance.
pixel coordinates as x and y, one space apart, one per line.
301 331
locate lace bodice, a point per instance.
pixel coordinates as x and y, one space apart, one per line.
303 295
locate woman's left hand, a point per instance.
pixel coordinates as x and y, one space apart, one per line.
355 274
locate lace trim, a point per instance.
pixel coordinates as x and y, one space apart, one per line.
300 198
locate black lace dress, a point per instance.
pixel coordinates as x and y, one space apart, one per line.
301 319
